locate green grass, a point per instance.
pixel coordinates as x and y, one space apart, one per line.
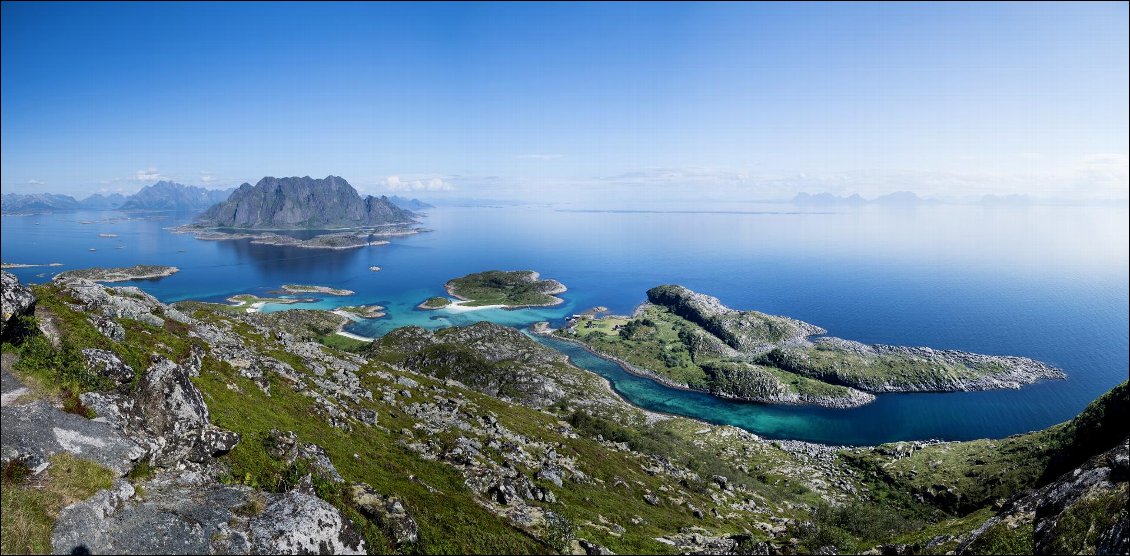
30 507
496 287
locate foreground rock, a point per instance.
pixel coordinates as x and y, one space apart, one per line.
16 301
35 431
187 514
167 414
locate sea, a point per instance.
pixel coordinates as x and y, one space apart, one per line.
1044 282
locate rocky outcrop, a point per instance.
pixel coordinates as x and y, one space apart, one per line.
749 332
166 414
108 365
386 511
188 514
1082 512
16 300
302 203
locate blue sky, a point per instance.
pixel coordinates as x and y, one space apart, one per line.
570 101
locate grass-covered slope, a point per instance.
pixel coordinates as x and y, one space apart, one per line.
492 443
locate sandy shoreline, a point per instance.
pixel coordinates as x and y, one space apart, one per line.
357 337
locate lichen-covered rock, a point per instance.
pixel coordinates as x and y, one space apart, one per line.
107 364
108 327
185 513
16 300
296 523
286 447
387 511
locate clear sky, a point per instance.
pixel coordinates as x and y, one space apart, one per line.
570 101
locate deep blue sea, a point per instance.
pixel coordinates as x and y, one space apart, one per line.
1044 282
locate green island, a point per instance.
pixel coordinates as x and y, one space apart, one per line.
302 288
474 439
437 302
511 289
690 340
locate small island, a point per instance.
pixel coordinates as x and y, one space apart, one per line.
300 288
354 312
432 303
689 340
6 266
123 274
508 289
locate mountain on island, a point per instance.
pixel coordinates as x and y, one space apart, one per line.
167 195
302 203
409 204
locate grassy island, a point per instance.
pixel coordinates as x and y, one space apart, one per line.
690 340
513 289
437 302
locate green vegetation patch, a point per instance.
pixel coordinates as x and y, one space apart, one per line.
30 505
515 288
437 302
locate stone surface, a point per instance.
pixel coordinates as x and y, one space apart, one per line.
16 300
388 512
107 364
187 514
37 430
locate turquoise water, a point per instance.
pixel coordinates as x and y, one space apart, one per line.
1043 282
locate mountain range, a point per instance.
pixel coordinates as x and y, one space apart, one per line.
163 195
302 203
896 198
409 204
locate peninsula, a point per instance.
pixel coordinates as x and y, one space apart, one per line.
514 289
690 340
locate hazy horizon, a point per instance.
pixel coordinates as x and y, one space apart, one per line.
581 103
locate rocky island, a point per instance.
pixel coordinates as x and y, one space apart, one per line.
300 288
124 274
689 340
330 207
514 289
230 432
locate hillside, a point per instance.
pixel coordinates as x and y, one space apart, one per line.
230 432
302 203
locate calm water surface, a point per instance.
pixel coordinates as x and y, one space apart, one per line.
1044 282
